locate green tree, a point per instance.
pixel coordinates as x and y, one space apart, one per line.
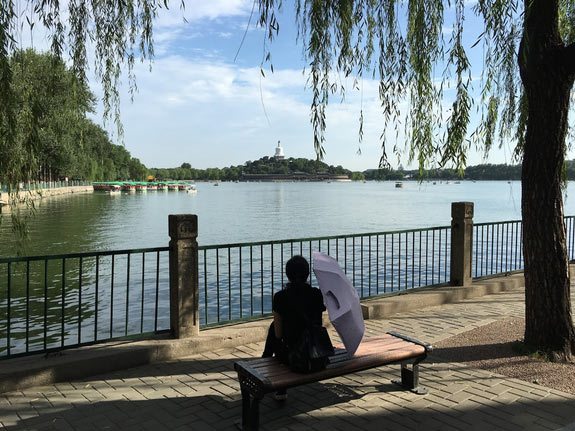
49 119
529 69
357 176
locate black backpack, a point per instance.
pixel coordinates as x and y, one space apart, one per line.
312 349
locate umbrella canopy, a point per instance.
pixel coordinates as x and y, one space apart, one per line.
341 300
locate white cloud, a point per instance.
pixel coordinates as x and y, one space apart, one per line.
196 10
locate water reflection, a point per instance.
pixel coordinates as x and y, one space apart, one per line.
59 302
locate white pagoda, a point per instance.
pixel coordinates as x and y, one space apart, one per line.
279 155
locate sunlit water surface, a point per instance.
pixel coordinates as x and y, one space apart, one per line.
244 212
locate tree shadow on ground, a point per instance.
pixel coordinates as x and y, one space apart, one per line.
476 352
317 406
202 412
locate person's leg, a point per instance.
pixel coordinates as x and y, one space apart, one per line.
269 348
275 346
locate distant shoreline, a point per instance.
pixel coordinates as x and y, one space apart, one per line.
26 195
297 176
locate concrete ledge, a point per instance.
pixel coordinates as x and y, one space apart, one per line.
382 308
23 196
73 364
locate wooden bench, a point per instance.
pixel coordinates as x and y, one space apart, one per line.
260 376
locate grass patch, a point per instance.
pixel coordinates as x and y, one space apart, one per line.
523 349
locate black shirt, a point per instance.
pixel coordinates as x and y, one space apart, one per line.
291 302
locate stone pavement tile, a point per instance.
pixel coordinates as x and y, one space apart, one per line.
193 426
9 418
493 386
546 424
545 413
540 391
447 417
450 388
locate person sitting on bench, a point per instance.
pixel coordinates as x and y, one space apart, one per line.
297 297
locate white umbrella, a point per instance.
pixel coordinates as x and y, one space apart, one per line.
341 300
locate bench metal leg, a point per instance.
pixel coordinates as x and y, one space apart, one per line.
250 412
410 378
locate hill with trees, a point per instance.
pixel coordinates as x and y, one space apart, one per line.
483 172
265 165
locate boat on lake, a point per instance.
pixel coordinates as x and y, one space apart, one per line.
128 187
133 186
398 185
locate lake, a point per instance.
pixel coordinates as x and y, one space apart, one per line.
243 212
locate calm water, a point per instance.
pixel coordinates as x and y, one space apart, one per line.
243 212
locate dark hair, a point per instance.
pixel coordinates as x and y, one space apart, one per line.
297 270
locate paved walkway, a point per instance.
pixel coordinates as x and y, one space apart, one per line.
202 393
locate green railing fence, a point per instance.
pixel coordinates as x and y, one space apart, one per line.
239 280
54 302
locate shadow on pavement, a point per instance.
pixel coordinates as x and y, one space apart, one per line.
326 406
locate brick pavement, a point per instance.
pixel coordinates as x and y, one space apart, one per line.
201 392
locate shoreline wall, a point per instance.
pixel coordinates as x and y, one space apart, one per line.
23 195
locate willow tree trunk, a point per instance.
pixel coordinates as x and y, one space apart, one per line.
547 71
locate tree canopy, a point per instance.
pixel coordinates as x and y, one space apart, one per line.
53 138
108 35
418 53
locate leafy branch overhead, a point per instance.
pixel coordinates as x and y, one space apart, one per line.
118 32
407 48
53 138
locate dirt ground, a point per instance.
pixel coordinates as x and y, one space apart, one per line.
490 348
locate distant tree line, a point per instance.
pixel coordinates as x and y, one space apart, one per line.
484 172
265 165
53 133
270 165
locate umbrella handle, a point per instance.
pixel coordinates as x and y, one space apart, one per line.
330 297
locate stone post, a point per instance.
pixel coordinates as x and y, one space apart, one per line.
461 243
184 289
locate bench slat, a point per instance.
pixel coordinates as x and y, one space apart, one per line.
352 366
277 373
272 370
372 352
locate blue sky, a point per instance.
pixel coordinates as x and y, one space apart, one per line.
198 105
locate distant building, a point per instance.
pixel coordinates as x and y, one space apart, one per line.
294 176
279 155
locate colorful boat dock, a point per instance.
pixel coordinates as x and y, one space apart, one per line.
134 186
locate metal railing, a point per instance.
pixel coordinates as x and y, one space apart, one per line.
498 247
239 280
54 302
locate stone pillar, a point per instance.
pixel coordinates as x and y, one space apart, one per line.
184 289
461 243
